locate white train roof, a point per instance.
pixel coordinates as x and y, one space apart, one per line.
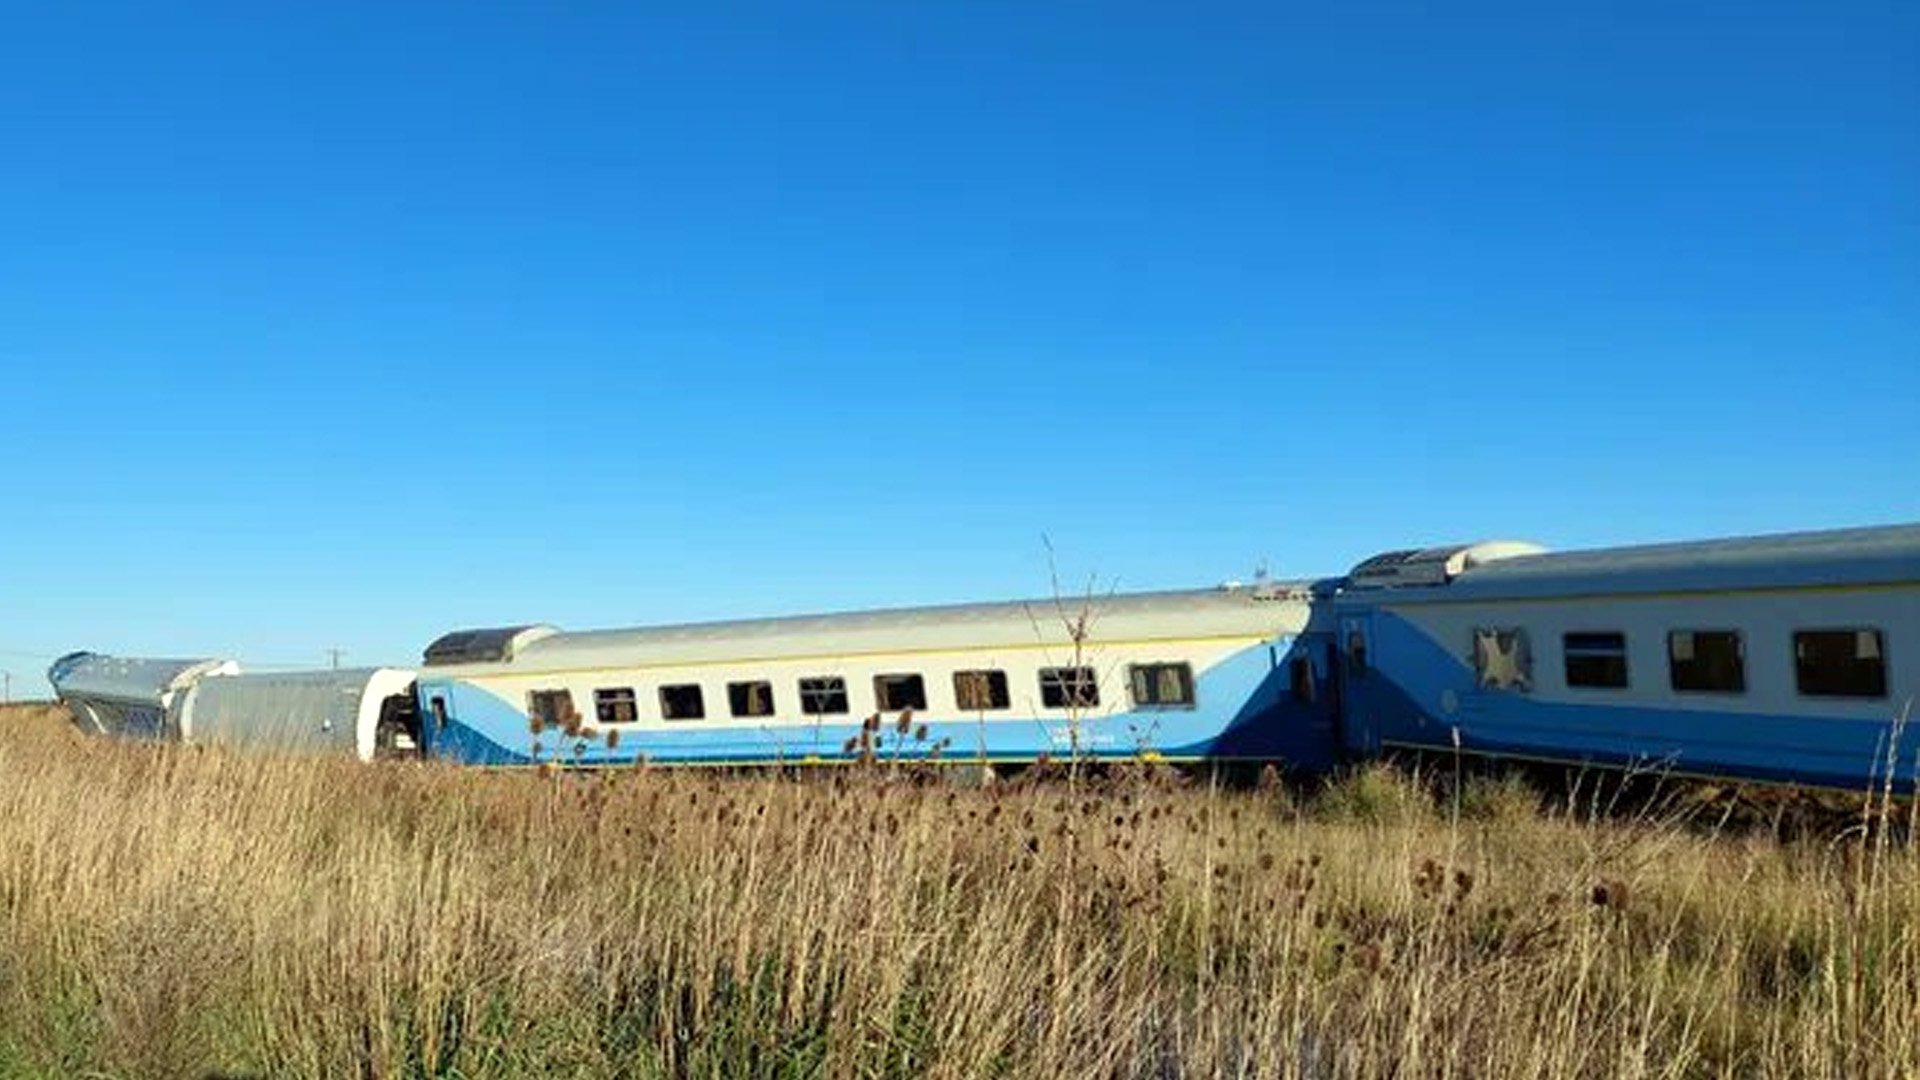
1260 610
1878 555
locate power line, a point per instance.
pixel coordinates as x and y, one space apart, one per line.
334 656
28 654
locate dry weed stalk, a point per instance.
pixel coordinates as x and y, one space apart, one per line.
169 912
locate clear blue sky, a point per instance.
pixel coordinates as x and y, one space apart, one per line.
349 325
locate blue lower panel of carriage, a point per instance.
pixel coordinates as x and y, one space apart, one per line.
1243 711
1401 703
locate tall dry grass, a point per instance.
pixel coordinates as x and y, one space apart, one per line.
179 912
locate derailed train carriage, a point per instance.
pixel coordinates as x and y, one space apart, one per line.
128 698
359 712
1786 658
1180 676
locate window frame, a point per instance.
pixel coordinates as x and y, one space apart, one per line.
999 690
1491 662
1589 652
1303 683
1187 682
1880 648
810 696
1740 646
668 713
882 700
547 695
1354 653
604 696
742 689
1047 675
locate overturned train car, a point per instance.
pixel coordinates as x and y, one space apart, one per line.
126 697
358 712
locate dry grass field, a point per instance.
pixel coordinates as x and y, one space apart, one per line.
182 912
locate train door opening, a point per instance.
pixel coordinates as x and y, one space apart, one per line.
434 715
398 733
1313 684
1352 664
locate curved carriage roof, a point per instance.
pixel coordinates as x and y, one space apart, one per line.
128 679
1879 555
1258 611
334 710
484 646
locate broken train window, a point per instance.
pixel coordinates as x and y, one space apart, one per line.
1502 658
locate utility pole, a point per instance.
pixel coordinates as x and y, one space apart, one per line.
334 654
6 687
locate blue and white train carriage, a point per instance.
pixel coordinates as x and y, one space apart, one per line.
1779 658
1171 675
1785 658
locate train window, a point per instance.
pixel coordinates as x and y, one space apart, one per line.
898 693
616 705
1162 686
824 695
1596 658
439 708
750 698
1068 688
1300 679
1712 661
551 708
1502 658
1840 663
682 702
981 691
1356 653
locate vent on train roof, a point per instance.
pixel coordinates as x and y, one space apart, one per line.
1435 565
493 645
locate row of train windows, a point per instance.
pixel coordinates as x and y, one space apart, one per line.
985 690
1847 662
